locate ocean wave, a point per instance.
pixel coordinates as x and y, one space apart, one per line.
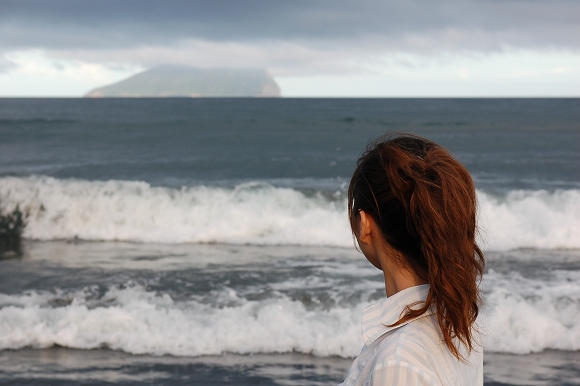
251 213
257 213
524 315
141 322
530 219
537 316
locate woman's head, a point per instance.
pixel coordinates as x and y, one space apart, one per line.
423 201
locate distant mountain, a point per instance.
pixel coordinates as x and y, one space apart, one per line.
181 81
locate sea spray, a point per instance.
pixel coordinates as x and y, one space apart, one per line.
258 213
530 219
521 315
524 315
252 213
141 322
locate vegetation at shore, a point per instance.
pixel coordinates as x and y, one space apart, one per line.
12 224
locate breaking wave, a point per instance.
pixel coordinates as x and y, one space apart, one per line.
257 213
521 316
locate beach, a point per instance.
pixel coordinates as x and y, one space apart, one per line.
66 366
182 241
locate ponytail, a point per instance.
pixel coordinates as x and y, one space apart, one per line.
423 201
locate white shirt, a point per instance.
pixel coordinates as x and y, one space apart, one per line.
412 353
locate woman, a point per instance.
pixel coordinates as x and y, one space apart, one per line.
412 209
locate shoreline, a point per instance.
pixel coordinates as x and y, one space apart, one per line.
63 366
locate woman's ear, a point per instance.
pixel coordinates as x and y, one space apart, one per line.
365 227
367 239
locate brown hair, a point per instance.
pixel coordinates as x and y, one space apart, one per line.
423 201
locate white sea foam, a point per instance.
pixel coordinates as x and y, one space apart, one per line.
529 315
256 213
142 322
532 219
253 213
521 316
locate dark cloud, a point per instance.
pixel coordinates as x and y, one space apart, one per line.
400 25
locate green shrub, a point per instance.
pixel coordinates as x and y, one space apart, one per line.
11 226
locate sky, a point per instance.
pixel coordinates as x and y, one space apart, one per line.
314 48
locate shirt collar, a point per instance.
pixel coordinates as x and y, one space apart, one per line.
378 316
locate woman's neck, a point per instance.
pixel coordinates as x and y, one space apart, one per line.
400 278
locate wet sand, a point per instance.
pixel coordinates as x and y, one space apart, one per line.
61 366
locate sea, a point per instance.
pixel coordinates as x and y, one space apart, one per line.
180 241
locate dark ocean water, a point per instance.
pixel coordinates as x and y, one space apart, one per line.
505 143
205 241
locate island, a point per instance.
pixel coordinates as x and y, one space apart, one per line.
183 81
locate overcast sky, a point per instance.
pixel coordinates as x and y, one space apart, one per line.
312 48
